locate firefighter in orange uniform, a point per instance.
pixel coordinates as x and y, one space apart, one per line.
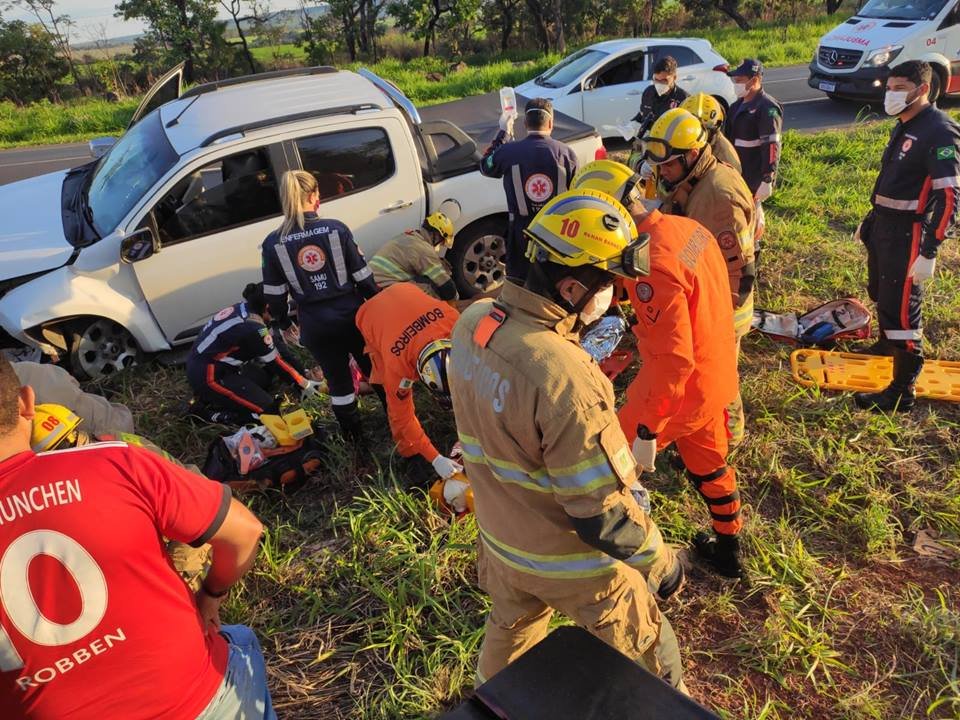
407 333
688 371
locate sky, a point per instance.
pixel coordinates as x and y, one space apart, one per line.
89 14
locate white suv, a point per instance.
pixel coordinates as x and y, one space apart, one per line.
602 84
133 252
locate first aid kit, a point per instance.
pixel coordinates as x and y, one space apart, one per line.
846 319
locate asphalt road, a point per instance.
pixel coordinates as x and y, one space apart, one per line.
805 109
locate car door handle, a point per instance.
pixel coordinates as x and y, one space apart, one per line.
634 92
688 78
398 205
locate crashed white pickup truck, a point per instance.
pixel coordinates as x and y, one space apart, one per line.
133 252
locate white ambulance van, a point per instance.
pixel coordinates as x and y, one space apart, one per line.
854 59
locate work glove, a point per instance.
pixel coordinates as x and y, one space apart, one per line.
764 191
506 122
672 583
645 453
455 494
445 467
646 170
310 389
922 269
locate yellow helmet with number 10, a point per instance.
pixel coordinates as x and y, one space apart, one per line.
706 108
588 227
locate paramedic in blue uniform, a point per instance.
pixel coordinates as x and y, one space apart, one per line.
317 263
233 361
914 202
754 124
534 171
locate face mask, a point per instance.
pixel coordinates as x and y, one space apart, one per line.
740 90
662 88
895 101
597 306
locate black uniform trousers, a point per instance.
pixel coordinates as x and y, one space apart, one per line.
242 389
329 331
893 243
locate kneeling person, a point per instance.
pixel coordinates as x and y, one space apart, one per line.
414 257
130 640
223 367
408 338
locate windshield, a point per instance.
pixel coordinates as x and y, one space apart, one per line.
140 158
902 9
570 68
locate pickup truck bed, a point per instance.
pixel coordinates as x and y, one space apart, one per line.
479 117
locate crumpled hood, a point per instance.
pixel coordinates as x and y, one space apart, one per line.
868 35
31 232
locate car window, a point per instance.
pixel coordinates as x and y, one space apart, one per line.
348 161
232 191
570 68
682 54
139 159
902 9
626 69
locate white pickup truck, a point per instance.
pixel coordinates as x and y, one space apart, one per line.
133 252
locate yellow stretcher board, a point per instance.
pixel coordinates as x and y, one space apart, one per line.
939 379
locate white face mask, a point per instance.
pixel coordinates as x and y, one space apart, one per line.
740 89
662 88
597 306
895 101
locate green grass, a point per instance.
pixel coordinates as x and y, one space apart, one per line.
425 80
365 598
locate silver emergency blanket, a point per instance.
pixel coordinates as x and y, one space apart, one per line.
602 338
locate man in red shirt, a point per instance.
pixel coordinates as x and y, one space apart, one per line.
94 622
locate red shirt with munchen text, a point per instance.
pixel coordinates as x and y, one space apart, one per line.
94 621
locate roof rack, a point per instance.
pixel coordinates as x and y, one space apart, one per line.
273 75
295 117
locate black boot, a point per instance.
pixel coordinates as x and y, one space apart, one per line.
351 426
901 394
720 552
881 347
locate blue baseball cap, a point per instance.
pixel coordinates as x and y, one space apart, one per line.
748 68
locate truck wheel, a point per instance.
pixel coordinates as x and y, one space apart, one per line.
477 257
101 347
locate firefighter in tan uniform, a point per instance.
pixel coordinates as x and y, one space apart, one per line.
708 110
414 257
699 187
549 465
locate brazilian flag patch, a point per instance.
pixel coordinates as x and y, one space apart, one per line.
946 153
773 112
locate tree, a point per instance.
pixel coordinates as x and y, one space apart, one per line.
235 9
188 28
730 8
30 63
58 28
421 18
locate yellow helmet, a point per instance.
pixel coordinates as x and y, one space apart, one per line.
442 224
674 133
53 426
706 108
613 178
588 227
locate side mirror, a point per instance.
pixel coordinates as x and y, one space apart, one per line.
99 146
139 245
588 83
